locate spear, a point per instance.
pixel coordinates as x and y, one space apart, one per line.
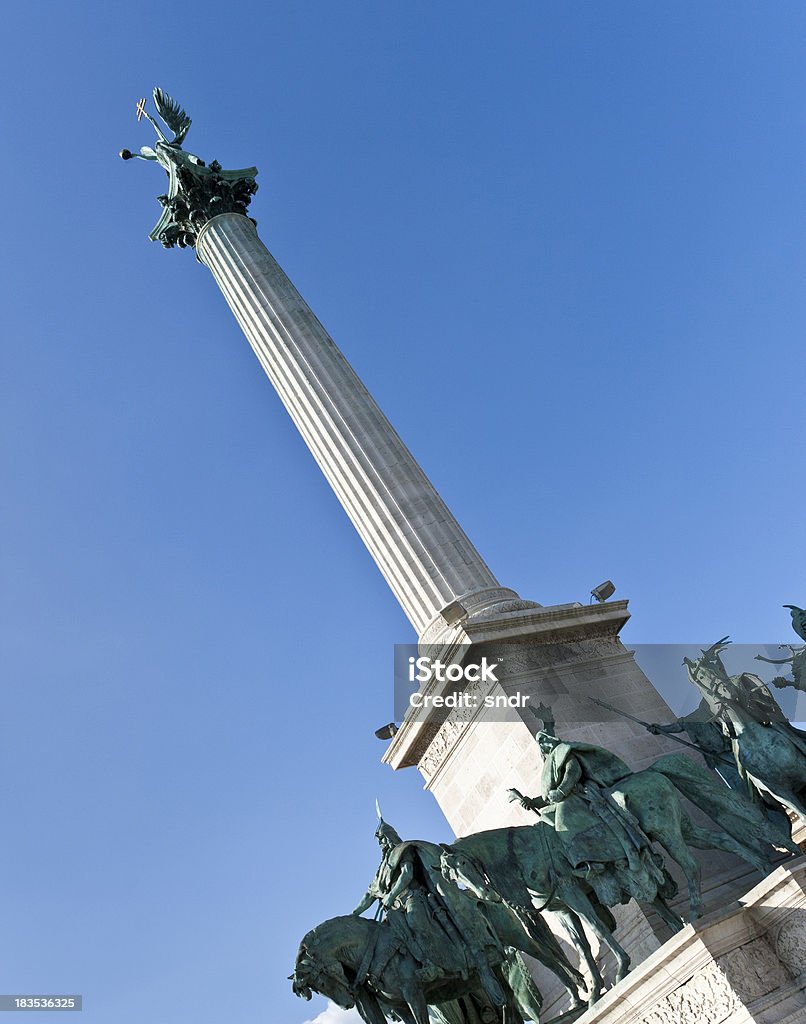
646 725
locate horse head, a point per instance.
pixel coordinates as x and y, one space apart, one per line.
460 868
317 970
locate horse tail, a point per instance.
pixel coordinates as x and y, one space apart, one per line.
734 812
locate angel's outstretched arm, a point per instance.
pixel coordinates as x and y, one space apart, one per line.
146 153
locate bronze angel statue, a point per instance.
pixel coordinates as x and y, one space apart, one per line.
797 654
197 192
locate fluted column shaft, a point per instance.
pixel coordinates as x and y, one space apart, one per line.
417 544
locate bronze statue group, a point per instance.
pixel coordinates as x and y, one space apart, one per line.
453 921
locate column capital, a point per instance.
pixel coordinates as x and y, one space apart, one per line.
197 191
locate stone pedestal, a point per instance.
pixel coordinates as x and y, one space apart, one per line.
744 963
560 656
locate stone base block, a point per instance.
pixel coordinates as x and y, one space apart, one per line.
741 964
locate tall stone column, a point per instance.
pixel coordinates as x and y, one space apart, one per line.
423 553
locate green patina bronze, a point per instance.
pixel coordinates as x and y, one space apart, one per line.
197 191
706 734
434 952
768 751
453 921
447 954
797 655
606 819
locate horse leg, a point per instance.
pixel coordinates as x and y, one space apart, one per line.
540 942
369 1007
673 841
490 985
576 934
705 839
517 900
667 915
512 1014
577 900
415 997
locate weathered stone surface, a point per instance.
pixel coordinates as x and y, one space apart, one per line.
735 966
705 997
471 760
790 942
753 970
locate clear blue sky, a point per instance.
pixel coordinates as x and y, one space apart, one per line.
565 247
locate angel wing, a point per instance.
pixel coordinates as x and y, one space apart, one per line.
172 114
